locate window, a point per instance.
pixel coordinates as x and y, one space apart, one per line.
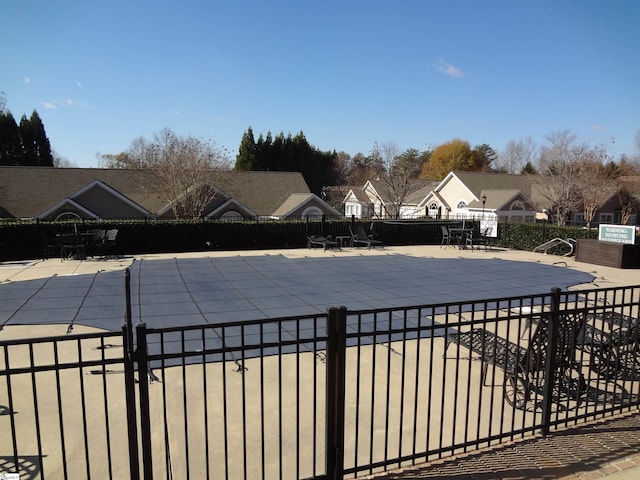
461 204
606 218
433 210
231 216
517 205
312 213
68 216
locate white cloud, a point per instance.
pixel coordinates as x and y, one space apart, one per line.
597 128
79 84
65 102
175 112
450 70
26 79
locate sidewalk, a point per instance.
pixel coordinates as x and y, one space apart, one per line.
608 449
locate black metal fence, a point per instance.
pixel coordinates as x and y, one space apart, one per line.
336 395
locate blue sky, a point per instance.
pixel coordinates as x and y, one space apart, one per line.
347 73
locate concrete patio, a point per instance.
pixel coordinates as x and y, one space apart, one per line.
53 297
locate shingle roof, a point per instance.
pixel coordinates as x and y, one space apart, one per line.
416 190
478 181
26 192
294 200
495 198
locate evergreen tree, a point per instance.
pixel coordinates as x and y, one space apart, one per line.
10 144
287 154
36 149
246 158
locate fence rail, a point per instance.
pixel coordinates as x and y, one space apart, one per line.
344 393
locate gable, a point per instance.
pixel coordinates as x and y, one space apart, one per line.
67 206
296 205
225 206
107 203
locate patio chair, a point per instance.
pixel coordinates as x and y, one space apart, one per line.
96 240
446 238
314 241
109 246
471 239
359 236
72 246
50 246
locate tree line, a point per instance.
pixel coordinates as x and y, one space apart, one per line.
287 154
23 143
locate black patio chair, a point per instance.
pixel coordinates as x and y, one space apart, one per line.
72 246
50 246
109 248
446 237
95 243
473 239
314 241
359 236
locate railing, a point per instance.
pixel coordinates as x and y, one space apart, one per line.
344 393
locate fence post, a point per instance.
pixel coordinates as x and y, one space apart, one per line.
551 364
335 388
143 382
130 395
129 383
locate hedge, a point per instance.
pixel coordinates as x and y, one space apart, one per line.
22 240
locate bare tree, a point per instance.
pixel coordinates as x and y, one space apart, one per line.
184 169
397 181
61 162
516 154
595 183
342 167
628 187
558 188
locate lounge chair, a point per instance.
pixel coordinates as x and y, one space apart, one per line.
359 236
318 240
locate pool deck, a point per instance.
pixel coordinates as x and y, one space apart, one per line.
609 449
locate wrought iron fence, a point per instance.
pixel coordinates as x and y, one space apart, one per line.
336 395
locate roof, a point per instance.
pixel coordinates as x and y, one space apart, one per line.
26 192
478 181
415 190
496 199
359 194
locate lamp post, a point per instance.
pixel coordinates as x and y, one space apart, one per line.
484 200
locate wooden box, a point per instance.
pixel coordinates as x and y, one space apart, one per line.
609 254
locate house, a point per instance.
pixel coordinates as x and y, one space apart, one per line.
497 196
382 199
459 195
492 196
47 193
